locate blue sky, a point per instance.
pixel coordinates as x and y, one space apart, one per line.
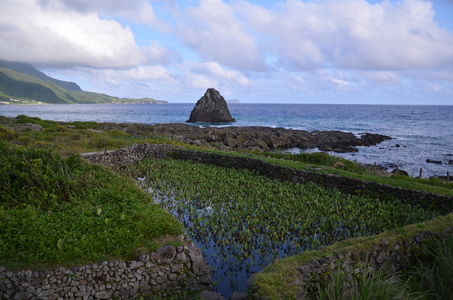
293 51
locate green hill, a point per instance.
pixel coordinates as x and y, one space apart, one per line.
20 86
30 70
27 90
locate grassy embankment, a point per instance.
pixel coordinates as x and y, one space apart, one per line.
66 192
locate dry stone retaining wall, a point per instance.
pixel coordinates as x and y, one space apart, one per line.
395 256
166 271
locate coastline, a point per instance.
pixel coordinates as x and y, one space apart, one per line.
421 131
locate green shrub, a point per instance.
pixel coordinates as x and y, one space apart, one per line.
7 134
57 210
35 120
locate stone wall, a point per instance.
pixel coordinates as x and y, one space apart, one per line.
395 256
166 271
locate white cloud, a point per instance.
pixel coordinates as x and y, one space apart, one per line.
137 10
352 34
277 50
49 35
210 74
382 77
217 34
215 70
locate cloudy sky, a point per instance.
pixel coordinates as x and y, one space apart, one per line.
292 51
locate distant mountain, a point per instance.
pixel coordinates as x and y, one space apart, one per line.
15 85
27 90
30 70
233 101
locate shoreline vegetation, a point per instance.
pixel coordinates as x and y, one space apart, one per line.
56 209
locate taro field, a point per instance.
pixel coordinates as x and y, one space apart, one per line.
243 221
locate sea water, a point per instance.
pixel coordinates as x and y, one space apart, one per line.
421 132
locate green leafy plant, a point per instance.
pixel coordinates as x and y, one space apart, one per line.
252 220
59 210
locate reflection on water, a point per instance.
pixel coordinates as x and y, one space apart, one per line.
236 255
243 221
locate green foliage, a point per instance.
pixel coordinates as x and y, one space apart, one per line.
434 273
253 220
435 182
35 120
55 210
7 134
85 125
318 158
376 285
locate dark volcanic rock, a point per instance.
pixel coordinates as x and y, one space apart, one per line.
262 138
211 108
439 162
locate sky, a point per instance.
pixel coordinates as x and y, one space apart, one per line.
292 51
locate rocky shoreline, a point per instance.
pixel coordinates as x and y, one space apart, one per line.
255 137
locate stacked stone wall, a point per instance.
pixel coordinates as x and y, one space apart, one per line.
395 256
166 271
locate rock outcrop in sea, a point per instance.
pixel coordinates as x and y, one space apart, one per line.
264 138
211 108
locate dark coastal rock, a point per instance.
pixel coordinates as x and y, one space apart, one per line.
439 162
346 150
211 108
263 138
371 139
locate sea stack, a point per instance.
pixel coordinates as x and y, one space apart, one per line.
211 108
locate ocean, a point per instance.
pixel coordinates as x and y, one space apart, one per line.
420 133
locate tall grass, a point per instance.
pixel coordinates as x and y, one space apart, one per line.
434 272
369 285
430 279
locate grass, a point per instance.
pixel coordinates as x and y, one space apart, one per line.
434 272
57 211
79 137
430 279
274 281
75 137
369 284
317 158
